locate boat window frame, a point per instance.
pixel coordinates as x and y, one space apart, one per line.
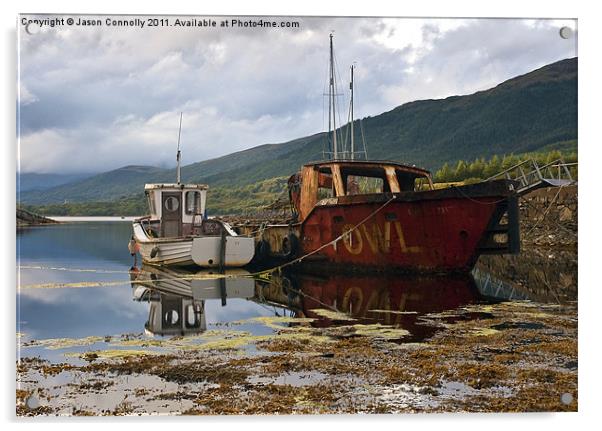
407 179
171 204
196 208
150 197
376 172
395 179
325 183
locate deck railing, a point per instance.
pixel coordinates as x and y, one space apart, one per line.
531 176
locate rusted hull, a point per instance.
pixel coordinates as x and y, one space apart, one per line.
421 236
438 231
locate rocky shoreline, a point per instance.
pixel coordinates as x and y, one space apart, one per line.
26 218
505 357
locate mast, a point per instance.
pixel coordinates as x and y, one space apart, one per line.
351 88
178 178
332 104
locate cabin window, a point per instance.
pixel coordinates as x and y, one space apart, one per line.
421 183
325 184
150 197
362 185
171 203
411 182
364 180
193 202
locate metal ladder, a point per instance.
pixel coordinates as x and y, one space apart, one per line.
531 176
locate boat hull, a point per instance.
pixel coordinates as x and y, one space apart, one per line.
437 231
193 251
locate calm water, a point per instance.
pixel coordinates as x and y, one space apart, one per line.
57 254
75 282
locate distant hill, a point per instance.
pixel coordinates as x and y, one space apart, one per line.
30 181
524 114
110 185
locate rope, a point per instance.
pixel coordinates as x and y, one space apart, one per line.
474 200
80 284
300 292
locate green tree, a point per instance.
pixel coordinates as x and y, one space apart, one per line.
444 174
492 167
461 171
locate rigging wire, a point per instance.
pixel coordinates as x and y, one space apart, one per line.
361 123
337 79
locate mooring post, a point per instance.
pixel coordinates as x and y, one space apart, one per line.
222 250
222 265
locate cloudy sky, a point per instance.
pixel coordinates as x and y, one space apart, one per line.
98 98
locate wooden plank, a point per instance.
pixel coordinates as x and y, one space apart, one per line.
392 179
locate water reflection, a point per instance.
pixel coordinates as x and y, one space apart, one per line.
539 274
170 302
387 300
177 298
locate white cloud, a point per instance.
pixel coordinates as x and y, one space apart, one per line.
25 96
99 98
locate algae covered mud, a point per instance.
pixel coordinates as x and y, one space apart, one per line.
95 338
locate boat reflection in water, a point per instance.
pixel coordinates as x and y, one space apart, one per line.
177 297
388 300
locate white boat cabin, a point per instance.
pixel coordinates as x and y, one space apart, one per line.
176 210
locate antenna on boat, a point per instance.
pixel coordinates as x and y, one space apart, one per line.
332 104
351 108
350 123
178 178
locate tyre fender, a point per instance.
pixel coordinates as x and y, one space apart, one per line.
290 246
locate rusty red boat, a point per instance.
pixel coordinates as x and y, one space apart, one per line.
385 216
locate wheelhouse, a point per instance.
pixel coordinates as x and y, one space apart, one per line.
175 210
334 179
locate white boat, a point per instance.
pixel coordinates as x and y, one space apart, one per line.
177 231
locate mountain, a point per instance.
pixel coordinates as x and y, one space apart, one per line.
106 186
31 181
523 114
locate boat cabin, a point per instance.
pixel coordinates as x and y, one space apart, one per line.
335 179
176 210
175 315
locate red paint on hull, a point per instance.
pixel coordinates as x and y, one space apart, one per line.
440 235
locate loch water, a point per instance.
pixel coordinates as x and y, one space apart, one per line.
75 280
